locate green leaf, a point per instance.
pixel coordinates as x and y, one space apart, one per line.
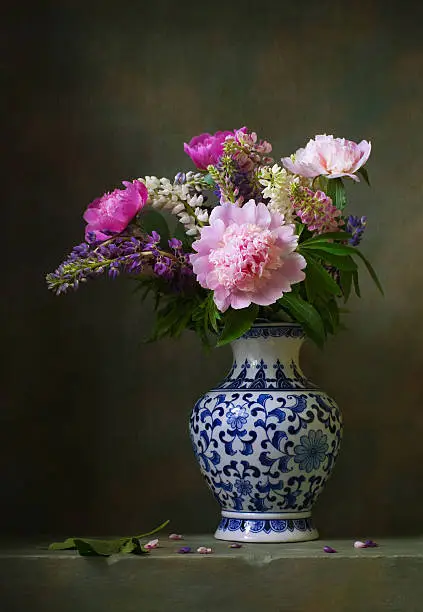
356 284
153 531
306 314
370 270
346 282
335 189
180 233
318 280
339 261
342 250
90 547
150 220
237 322
133 546
93 547
68 544
209 181
213 314
330 247
326 237
365 175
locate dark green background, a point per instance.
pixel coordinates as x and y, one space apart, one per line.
94 423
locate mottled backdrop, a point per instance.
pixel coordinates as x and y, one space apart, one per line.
93 422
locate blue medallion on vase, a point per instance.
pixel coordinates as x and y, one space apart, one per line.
266 438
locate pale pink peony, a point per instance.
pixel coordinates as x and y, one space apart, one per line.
206 149
113 211
246 255
329 156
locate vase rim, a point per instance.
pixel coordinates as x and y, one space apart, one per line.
274 330
276 324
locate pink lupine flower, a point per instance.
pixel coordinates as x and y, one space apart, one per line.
206 149
329 156
113 211
316 210
152 544
246 255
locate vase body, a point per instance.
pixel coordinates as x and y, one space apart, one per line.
266 439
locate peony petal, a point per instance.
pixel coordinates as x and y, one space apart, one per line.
249 211
365 149
264 218
240 299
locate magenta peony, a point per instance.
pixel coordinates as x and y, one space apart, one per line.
206 149
329 156
113 211
246 255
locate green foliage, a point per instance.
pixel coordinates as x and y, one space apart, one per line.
93 547
177 311
318 281
150 220
365 175
179 232
342 251
335 189
331 274
237 322
306 314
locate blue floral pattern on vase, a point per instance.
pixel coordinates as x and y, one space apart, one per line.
265 526
237 417
311 452
266 438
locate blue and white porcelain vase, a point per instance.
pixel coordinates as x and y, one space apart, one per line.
266 439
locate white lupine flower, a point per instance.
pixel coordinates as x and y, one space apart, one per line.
202 215
178 208
173 197
277 183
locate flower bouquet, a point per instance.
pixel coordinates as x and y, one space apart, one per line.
242 239
259 254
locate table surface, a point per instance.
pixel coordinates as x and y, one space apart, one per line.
269 577
387 548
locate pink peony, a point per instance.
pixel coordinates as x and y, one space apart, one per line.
206 149
246 255
113 211
332 157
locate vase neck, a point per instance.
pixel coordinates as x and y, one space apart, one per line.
270 343
267 357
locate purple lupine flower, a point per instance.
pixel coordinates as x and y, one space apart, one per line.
121 254
175 244
181 178
356 226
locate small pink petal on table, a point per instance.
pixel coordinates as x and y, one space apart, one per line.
203 550
235 545
184 550
360 544
152 544
176 536
329 549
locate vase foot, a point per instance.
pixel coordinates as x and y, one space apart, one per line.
266 527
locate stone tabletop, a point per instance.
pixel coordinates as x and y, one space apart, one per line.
260 577
394 548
